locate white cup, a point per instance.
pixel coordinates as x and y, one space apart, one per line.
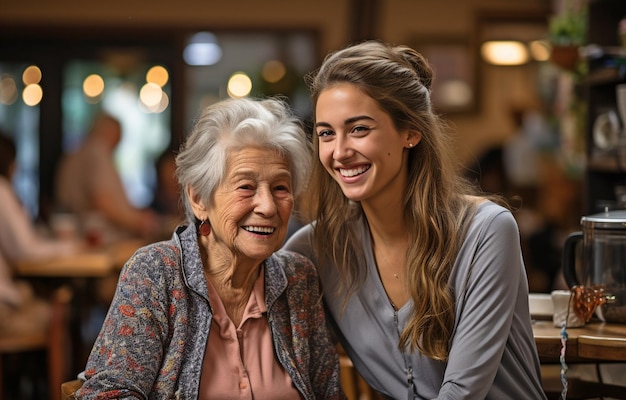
563 304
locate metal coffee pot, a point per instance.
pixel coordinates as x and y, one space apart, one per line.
602 267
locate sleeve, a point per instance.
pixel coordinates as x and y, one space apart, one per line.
324 360
488 306
128 353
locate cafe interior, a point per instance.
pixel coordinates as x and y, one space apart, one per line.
534 92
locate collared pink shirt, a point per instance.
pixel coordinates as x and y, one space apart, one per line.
239 362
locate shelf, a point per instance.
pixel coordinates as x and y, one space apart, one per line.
606 75
606 61
606 165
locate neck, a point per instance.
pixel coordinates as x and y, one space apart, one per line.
386 221
390 244
232 278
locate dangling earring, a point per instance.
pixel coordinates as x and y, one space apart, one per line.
205 228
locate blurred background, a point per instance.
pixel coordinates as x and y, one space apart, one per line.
528 87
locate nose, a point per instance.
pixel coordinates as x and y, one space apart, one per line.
342 148
264 202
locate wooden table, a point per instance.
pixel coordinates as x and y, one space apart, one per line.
95 263
596 342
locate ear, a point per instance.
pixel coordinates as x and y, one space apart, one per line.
198 207
412 138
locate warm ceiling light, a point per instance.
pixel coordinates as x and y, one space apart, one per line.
239 85
540 50
157 75
273 71
32 74
504 52
32 94
93 86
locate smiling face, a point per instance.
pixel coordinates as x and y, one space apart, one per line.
359 145
250 210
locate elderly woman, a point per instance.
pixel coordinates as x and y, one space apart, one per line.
217 312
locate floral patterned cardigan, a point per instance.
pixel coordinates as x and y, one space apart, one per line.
154 337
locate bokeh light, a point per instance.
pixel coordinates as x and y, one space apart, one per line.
239 85
150 95
202 49
32 94
8 90
157 75
93 86
32 74
273 71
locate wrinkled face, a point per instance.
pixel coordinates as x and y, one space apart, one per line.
359 145
251 207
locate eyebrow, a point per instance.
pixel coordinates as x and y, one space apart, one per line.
347 121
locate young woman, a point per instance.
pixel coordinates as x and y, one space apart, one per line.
424 281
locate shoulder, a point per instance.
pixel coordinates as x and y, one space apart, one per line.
293 262
490 216
154 260
493 230
302 242
297 269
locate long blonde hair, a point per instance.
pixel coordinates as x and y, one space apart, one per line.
437 210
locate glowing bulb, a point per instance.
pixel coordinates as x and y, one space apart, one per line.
32 94
239 85
157 75
504 52
32 74
93 85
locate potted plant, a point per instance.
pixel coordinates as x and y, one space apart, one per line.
567 31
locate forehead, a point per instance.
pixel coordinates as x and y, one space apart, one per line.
255 160
344 98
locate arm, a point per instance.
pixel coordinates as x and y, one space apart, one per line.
484 321
324 361
19 241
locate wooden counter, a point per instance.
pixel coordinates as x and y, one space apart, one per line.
594 342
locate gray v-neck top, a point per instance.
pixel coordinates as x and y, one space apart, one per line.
492 354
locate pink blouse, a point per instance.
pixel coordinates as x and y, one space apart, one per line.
239 362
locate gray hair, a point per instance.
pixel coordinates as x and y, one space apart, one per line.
234 124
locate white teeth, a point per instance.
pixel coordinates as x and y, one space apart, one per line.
353 171
259 229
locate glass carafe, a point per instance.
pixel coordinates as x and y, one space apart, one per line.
601 271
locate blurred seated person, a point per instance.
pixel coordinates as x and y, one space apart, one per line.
218 311
20 310
89 185
166 201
